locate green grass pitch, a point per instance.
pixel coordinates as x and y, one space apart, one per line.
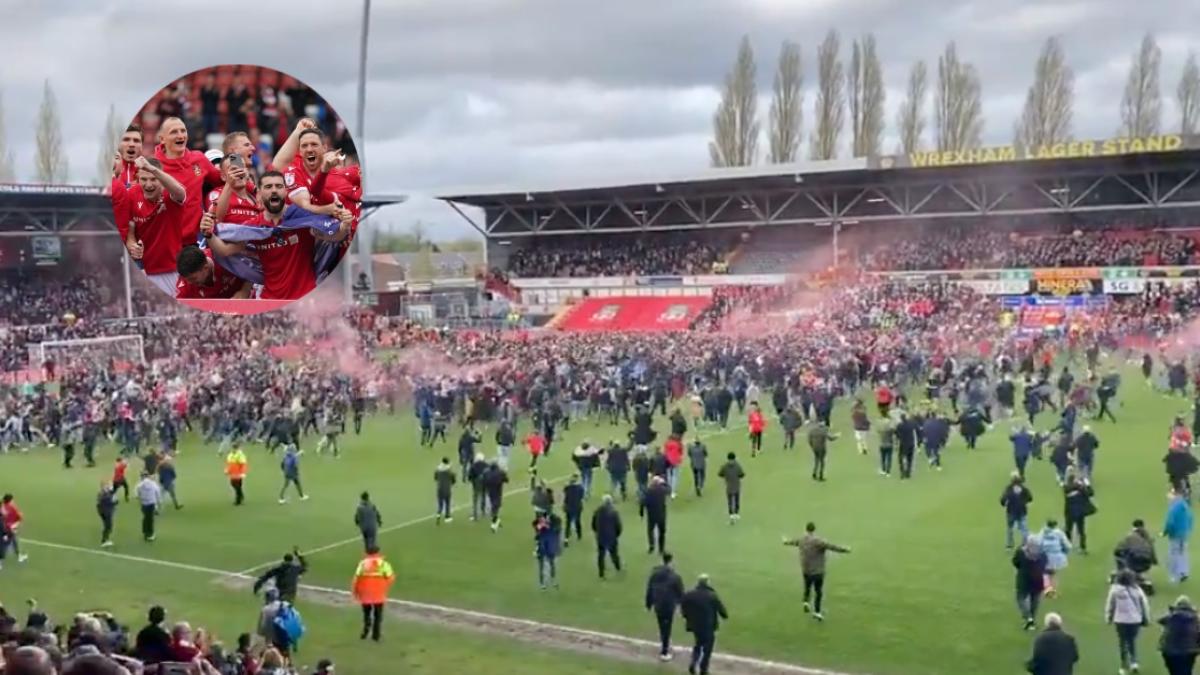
927 590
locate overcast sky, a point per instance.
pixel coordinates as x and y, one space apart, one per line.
492 93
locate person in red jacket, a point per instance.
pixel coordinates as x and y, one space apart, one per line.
758 424
536 445
883 398
673 451
12 519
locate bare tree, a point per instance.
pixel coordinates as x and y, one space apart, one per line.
911 118
831 112
787 105
958 111
50 164
864 85
109 139
1189 97
735 124
1050 101
1141 104
7 174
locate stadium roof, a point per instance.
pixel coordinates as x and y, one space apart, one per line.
720 178
919 186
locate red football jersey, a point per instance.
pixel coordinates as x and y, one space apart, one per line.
241 210
287 261
196 174
157 226
223 285
120 195
296 177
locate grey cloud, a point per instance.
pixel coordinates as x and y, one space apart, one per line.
478 92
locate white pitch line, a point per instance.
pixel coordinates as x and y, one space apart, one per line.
392 528
460 613
133 558
425 519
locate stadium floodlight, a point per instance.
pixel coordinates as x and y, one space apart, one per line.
798 178
874 200
659 189
528 196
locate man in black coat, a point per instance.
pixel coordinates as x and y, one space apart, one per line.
617 463
493 486
475 475
286 575
1054 651
664 591
906 443
606 526
573 509
466 450
702 612
653 509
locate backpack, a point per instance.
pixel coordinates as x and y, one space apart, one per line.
288 620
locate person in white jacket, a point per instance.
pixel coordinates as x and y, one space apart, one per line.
1128 609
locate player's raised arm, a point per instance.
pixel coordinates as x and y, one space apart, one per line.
173 187
287 151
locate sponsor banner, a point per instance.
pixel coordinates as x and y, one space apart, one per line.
1067 273
39 189
658 281
548 283
1124 286
1111 147
1067 286
736 280
997 286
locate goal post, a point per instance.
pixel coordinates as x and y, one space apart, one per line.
128 349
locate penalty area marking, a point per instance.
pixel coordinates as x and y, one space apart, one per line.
561 637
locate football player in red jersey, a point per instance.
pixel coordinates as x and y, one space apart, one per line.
338 182
154 222
287 258
125 173
194 172
201 277
234 203
304 153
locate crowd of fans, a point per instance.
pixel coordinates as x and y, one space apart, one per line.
972 248
31 298
612 256
96 643
255 100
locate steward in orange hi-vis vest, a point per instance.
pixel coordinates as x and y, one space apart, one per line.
372 580
235 467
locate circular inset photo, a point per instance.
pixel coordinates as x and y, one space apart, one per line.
236 188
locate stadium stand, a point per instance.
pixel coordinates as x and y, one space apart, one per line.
617 255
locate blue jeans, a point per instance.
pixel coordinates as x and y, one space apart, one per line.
545 563
1177 559
672 477
585 479
1020 523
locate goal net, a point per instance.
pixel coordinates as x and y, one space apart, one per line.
119 351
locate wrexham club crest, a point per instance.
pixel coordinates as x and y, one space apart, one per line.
605 313
674 313
196 169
